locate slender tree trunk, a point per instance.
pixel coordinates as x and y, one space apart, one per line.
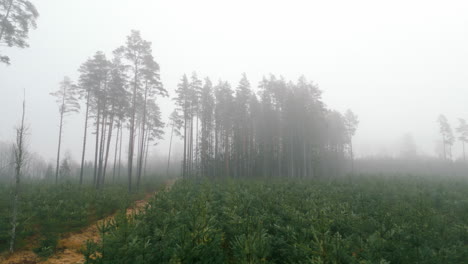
58 150
210 160
352 157
215 165
19 160
101 149
84 138
62 110
170 147
146 155
138 149
197 166
109 137
304 161
142 138
191 147
184 166
96 151
120 150
115 150
132 131
280 158
226 154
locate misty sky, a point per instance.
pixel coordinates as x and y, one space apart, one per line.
396 64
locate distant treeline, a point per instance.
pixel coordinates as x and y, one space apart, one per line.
284 130
420 165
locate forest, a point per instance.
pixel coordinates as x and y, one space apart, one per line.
203 169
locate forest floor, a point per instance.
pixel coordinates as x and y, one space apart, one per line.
70 245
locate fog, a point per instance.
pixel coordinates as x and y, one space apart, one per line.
397 64
249 131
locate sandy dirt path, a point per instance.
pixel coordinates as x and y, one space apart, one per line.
69 246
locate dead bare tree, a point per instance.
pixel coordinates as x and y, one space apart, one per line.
19 159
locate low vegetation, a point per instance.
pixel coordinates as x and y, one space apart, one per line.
47 211
354 220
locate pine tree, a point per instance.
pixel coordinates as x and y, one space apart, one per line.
351 123
117 98
144 80
152 87
183 105
68 103
241 115
462 131
176 124
93 87
207 126
224 124
17 17
195 93
447 135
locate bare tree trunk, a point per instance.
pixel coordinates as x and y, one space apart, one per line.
19 160
215 165
226 154
96 151
62 110
101 150
304 161
115 150
109 137
146 155
170 147
352 157
190 144
196 147
210 156
120 149
184 167
84 138
142 138
131 143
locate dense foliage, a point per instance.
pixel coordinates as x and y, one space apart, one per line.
46 211
359 220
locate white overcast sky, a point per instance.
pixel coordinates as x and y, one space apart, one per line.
396 64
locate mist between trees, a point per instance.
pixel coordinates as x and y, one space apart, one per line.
280 129
284 130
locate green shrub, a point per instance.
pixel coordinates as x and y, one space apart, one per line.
362 220
48 210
